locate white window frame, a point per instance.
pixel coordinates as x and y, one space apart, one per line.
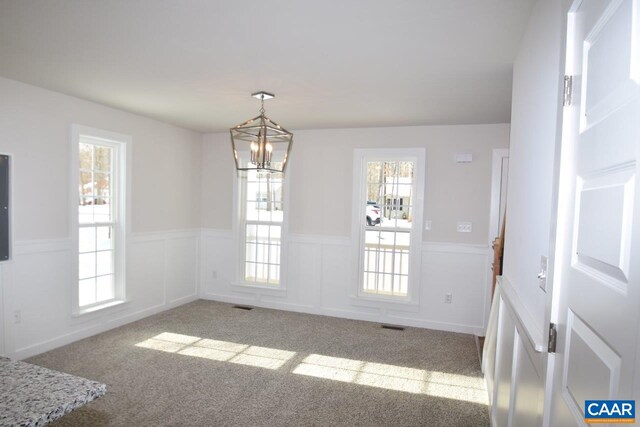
360 159
239 222
121 211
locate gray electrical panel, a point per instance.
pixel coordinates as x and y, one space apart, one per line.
4 208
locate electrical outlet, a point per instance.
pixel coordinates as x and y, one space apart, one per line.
17 316
464 227
214 274
448 298
427 225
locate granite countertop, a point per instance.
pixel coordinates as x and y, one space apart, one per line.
31 395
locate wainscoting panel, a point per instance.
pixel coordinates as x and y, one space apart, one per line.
528 387
459 270
41 277
144 283
304 274
166 269
181 266
161 273
514 371
504 367
319 279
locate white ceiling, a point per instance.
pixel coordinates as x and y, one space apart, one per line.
331 63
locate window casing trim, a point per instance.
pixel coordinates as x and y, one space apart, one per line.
239 283
360 159
121 209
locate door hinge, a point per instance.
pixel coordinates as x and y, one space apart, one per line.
553 338
568 90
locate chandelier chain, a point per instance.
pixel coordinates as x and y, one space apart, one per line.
262 105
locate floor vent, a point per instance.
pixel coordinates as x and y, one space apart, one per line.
394 327
243 307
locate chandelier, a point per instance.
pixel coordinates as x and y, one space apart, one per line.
260 143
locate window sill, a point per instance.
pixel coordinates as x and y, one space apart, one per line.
99 308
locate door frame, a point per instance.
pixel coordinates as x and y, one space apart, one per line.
557 206
499 154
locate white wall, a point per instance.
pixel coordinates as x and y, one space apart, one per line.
321 177
162 249
182 180
534 132
320 219
520 366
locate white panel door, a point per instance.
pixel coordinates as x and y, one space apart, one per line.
597 280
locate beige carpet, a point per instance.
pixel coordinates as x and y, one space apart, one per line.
209 364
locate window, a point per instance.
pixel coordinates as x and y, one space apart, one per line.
261 227
99 163
387 218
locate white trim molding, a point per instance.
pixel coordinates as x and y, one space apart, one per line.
120 218
319 283
464 248
173 267
103 326
152 236
525 321
359 199
25 247
162 273
498 177
515 363
239 238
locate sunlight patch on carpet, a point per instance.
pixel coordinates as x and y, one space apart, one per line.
222 351
371 374
390 377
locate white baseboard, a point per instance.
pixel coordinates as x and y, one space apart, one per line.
59 341
181 301
159 257
276 305
295 302
318 282
345 314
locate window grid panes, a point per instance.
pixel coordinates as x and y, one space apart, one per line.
96 246
386 227
263 215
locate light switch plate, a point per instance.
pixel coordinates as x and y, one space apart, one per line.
464 158
427 225
464 227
